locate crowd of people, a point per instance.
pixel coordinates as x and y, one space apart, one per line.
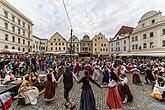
110 73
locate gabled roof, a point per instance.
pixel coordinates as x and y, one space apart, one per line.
59 35
124 30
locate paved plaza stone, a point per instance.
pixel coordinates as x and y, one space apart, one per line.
142 100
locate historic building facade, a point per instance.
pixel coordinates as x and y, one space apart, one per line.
121 42
86 44
15 28
36 44
149 35
57 44
44 45
100 45
75 44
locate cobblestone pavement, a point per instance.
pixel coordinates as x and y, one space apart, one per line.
142 100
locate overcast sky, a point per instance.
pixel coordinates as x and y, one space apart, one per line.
87 16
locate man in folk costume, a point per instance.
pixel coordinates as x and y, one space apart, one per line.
67 78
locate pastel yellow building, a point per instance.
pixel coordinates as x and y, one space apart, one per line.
100 45
57 44
15 28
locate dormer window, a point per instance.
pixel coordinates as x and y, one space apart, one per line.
117 38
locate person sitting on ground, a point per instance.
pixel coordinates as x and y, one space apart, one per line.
28 92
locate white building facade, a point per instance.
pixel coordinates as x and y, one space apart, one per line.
121 42
15 29
36 44
44 45
149 35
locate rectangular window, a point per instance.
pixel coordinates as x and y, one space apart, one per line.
124 48
163 31
151 45
136 38
13 18
28 43
23 33
29 28
23 41
153 21
124 41
132 47
19 40
19 31
13 28
6 37
23 24
59 48
132 39
143 25
5 14
6 25
51 44
63 48
19 22
136 46
144 36
51 48
151 34
144 45
59 43
13 38
28 34
163 43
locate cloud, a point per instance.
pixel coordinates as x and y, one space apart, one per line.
87 16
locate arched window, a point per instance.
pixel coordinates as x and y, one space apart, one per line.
13 47
19 48
6 47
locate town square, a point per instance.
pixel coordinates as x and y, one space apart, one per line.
82 55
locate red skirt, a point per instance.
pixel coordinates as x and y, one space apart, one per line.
113 99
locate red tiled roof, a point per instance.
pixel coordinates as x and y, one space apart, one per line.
124 30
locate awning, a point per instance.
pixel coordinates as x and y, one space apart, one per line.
10 51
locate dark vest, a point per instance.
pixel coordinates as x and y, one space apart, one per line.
68 80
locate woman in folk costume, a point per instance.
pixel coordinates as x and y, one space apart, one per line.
77 68
113 99
124 89
29 93
87 101
148 75
129 68
136 76
96 73
159 89
67 78
50 88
